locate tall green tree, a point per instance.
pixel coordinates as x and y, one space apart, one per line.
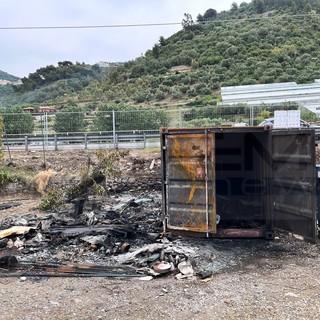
103 120
210 14
16 121
187 22
162 41
70 119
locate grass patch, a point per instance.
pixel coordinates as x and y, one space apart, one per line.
12 174
5 178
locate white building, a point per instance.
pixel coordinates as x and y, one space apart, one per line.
306 95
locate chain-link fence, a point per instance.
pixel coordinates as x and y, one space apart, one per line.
113 126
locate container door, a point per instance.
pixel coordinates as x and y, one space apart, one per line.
190 182
294 182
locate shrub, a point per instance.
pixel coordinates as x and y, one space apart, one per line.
53 199
204 122
4 177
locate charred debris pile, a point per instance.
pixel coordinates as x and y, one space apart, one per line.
107 224
122 238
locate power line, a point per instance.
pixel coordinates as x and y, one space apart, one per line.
93 26
261 18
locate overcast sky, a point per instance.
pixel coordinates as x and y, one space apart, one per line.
24 51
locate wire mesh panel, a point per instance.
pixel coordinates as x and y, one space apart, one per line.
87 126
215 116
141 120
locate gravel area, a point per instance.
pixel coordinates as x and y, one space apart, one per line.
270 285
252 279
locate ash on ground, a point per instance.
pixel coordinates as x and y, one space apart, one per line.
123 230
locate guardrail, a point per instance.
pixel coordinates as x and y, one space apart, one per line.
82 141
90 141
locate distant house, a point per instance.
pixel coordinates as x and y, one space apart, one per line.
42 109
29 109
47 109
4 82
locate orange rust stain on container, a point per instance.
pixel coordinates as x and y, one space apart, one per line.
193 172
192 192
178 152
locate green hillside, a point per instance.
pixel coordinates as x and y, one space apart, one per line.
264 41
7 76
53 83
6 90
261 42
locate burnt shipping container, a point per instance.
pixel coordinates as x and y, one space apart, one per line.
239 181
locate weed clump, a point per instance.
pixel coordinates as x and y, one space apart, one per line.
92 178
5 178
41 180
52 199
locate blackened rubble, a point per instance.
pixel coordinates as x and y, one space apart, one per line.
111 235
127 216
121 219
120 234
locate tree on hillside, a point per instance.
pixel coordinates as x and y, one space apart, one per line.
187 22
62 64
234 7
210 14
259 6
47 75
156 51
162 41
243 6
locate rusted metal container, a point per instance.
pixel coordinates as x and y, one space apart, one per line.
239 181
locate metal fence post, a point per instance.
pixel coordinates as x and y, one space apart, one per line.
144 140
180 119
114 128
115 141
46 129
251 115
55 142
86 141
26 142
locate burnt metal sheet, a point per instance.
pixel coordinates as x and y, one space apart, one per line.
294 182
190 182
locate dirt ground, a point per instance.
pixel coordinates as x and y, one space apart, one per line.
252 278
